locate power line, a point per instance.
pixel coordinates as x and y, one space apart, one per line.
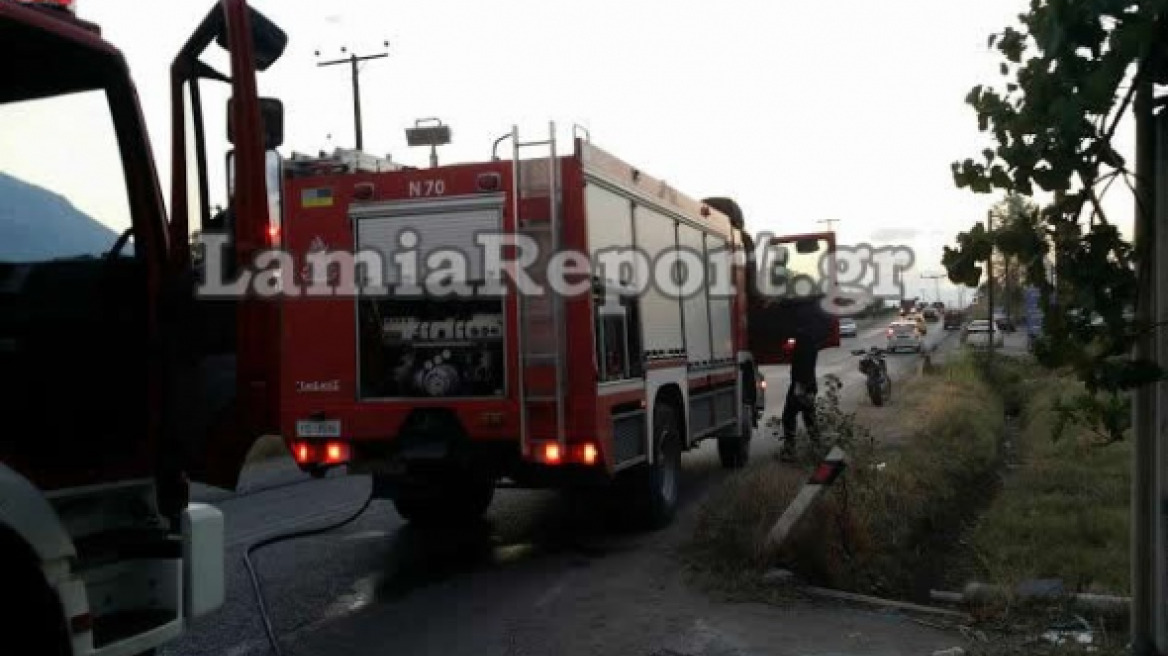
352 60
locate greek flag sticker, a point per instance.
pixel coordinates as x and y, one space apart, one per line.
317 197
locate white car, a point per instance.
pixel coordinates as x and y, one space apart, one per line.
847 327
977 334
905 335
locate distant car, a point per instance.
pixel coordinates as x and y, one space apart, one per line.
930 315
905 335
847 327
1004 322
977 334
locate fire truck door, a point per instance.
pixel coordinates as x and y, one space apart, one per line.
795 274
224 380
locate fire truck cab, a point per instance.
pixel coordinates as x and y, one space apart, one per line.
118 384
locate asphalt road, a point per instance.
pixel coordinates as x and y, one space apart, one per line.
536 578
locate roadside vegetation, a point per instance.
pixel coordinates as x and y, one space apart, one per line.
982 486
877 529
1064 508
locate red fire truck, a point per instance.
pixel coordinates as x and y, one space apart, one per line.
118 384
444 397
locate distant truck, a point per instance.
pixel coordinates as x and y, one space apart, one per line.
953 320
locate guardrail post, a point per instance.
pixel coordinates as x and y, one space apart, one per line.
825 474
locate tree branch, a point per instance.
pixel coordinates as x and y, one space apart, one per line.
1123 105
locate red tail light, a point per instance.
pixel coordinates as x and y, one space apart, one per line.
329 453
303 453
590 454
336 453
551 454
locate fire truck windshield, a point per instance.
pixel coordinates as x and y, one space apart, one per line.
63 190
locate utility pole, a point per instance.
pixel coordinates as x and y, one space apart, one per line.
1147 583
352 60
990 293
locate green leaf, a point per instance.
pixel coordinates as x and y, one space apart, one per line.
1068 60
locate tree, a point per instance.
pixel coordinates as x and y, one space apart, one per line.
1065 66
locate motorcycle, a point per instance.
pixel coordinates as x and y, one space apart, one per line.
873 366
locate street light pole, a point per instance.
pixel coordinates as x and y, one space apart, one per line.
830 223
352 60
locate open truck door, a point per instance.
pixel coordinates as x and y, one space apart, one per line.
223 392
795 285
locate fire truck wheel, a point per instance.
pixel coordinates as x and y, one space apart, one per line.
30 613
653 488
734 449
453 503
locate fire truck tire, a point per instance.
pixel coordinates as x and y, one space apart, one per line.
446 503
734 449
30 613
653 489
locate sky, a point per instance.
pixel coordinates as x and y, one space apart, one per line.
850 111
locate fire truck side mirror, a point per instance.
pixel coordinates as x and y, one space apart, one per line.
805 246
267 39
271 117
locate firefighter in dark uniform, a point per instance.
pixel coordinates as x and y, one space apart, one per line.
801 393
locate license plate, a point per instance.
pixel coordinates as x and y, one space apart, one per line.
329 428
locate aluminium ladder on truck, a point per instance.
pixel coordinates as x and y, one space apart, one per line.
541 328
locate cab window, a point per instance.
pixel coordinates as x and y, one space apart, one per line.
62 186
73 293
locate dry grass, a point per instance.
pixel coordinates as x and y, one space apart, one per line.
870 531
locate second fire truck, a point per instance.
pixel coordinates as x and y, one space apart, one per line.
443 397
